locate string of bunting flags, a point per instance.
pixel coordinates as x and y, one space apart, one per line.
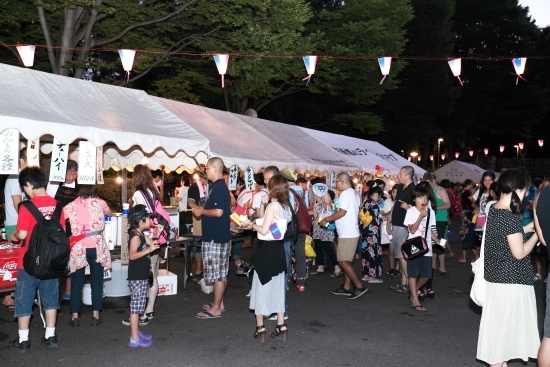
127 56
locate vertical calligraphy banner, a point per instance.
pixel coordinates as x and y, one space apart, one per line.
33 153
86 163
332 180
233 175
58 166
249 178
9 152
99 161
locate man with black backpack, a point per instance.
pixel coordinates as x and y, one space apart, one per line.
33 181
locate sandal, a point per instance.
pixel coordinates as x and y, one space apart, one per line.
430 293
421 294
259 331
336 275
419 308
403 290
279 330
315 272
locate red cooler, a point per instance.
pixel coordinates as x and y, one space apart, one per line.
8 263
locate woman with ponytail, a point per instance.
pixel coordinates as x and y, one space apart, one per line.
508 327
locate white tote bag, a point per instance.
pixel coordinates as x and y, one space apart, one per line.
479 286
281 225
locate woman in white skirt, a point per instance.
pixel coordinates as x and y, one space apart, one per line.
268 285
508 327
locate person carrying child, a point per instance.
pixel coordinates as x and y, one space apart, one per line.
467 233
139 271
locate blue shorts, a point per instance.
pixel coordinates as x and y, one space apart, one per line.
25 293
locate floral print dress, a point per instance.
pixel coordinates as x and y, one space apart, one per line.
371 248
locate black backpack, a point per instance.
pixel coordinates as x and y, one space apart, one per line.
48 245
292 228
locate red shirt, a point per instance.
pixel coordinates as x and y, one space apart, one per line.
26 222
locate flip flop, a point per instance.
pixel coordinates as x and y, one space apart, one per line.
419 308
208 306
8 307
208 315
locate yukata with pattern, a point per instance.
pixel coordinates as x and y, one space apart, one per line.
371 249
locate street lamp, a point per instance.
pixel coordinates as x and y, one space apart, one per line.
517 150
438 148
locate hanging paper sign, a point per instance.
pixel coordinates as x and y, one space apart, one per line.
519 67
200 187
233 175
385 64
249 178
127 58
456 66
33 153
86 163
221 64
99 165
310 62
332 180
58 165
9 143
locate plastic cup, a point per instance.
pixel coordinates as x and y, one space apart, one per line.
443 242
125 208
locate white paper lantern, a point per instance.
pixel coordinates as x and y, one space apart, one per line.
221 63
27 55
456 66
311 63
385 64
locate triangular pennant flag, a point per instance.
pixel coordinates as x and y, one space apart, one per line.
385 64
456 66
127 58
221 63
519 67
27 55
310 62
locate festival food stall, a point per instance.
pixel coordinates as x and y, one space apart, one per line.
38 107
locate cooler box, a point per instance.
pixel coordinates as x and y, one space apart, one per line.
168 283
8 264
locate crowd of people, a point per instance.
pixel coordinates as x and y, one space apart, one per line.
346 225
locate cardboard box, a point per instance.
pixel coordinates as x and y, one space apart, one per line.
8 264
168 283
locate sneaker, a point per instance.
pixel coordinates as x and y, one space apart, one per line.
462 260
358 292
49 343
21 347
142 322
150 315
145 336
376 280
141 342
74 322
67 297
342 292
273 317
97 321
537 277
241 269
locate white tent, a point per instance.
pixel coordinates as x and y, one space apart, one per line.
39 104
368 154
231 139
458 171
249 141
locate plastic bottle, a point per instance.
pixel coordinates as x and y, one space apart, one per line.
4 238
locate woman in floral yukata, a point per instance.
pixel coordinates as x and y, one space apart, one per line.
371 248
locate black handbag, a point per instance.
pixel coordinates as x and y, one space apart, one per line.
416 246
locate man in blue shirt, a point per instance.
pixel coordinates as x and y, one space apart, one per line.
216 238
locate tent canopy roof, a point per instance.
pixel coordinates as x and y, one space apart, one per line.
458 171
53 104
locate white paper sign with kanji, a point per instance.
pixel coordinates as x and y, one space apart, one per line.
9 152
233 175
86 163
58 166
249 178
99 161
33 153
